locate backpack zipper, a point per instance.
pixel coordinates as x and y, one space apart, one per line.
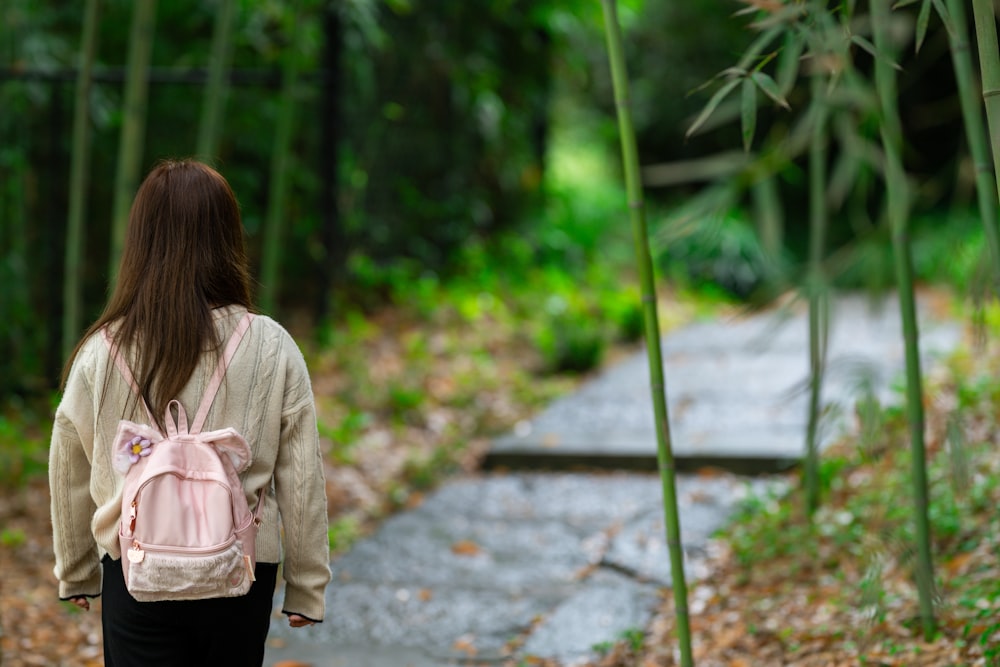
200 551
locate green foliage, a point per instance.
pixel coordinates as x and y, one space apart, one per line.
632 641
441 134
949 249
343 533
658 36
344 436
423 472
571 341
634 638
12 538
868 522
603 648
712 249
23 451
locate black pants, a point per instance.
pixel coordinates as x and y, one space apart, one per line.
185 633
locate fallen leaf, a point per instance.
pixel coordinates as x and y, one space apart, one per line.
466 548
464 644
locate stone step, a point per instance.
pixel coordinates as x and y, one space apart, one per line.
737 393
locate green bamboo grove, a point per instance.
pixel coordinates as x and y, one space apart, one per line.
836 118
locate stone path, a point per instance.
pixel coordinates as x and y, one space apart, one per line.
737 392
549 564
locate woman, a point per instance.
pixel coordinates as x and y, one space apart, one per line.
183 285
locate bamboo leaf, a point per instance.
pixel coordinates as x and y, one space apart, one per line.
773 20
728 73
904 3
714 102
759 45
748 113
788 62
946 19
923 18
870 48
844 174
731 72
770 88
865 44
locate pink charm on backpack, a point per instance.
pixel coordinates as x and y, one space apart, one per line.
186 530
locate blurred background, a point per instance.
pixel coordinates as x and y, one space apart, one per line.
446 156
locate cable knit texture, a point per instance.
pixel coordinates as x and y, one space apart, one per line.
266 396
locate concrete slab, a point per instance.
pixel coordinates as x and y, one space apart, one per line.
737 392
603 608
507 566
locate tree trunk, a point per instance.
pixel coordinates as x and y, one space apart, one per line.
79 159
332 234
281 155
130 147
217 86
15 301
47 299
630 158
898 205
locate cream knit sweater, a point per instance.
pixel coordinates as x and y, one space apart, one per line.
266 396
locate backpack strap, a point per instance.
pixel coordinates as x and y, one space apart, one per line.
115 351
220 373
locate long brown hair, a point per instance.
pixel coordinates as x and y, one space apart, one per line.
184 255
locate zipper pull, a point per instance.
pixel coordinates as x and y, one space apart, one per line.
131 516
136 554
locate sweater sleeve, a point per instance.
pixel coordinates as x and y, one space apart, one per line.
300 488
77 561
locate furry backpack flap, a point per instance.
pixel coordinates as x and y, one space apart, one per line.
187 531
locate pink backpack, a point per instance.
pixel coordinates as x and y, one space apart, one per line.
186 531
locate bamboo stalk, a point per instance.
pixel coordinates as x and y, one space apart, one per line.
18 316
989 69
217 86
769 215
630 159
975 134
815 284
892 141
130 147
80 158
278 193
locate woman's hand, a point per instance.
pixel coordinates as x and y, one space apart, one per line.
297 621
81 602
